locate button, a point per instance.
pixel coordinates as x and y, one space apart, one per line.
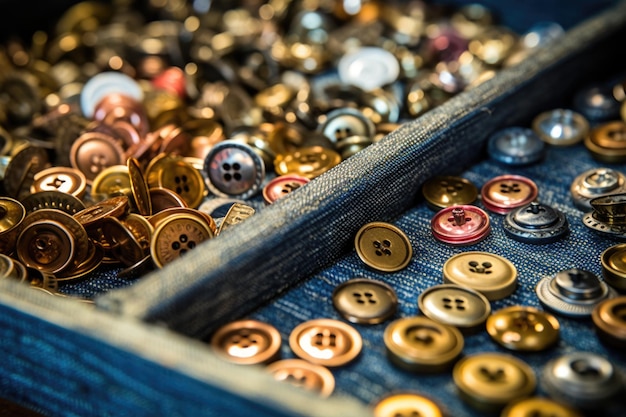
281 186
537 407
506 192
523 328
493 45
93 215
488 381
53 199
26 161
141 229
300 373
572 292
343 123
326 342
608 216
365 301
460 225
309 161
123 245
516 146
368 68
163 198
247 342
582 379
175 173
597 103
92 152
609 320
234 170
119 107
64 179
12 213
607 142
490 274
111 181
103 84
237 213
445 191
420 344
536 223
455 305
613 260
406 404
139 187
383 246
561 127
176 235
596 182
47 245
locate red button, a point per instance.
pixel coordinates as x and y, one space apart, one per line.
506 192
460 225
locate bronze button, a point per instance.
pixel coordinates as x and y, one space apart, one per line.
445 191
63 179
325 342
25 162
175 235
163 198
537 407
383 246
455 305
93 215
488 381
247 342
609 320
506 192
406 404
92 152
281 186
46 245
613 260
110 182
123 245
139 187
607 142
492 275
308 162
365 301
12 213
523 328
300 373
421 344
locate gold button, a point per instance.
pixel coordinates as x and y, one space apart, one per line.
308 162
12 213
538 407
609 320
445 191
506 192
110 182
422 345
523 328
488 381
607 142
300 373
613 261
383 246
175 173
176 235
455 305
365 301
64 179
492 275
247 342
139 187
326 342
406 405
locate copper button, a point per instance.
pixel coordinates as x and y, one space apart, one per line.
247 342
175 236
47 245
63 179
281 186
383 246
92 152
460 225
455 305
538 407
139 187
326 342
446 191
91 216
523 328
365 301
123 245
406 405
506 192
609 319
300 373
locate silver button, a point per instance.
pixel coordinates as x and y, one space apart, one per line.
582 379
346 122
455 305
516 146
572 292
234 170
561 127
368 68
365 301
593 183
536 223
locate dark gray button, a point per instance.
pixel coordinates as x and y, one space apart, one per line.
597 103
516 146
596 182
536 223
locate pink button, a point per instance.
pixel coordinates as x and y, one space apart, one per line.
506 192
281 186
460 225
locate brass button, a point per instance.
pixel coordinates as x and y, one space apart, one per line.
300 373
607 142
613 260
247 342
460 225
609 319
537 407
93 215
64 179
561 127
139 187
281 186
53 199
420 344
523 328
455 305
110 182
608 216
492 275
406 404
365 301
175 235
92 152
383 246
25 162
488 381
326 342
446 191
308 162
506 192
175 173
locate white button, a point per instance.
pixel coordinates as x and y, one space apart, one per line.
368 68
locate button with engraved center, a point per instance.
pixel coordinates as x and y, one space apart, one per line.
421 344
572 292
535 223
383 246
445 191
607 142
523 328
539 407
582 379
234 169
506 192
488 381
281 186
365 301
613 260
596 182
64 179
492 275
561 127
326 342
307 375
176 235
609 320
455 305
406 404
247 342
516 146
460 225
308 161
